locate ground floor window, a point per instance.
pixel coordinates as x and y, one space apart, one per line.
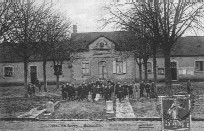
161 71
85 68
149 67
119 67
199 65
8 71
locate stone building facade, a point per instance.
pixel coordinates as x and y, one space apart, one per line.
104 55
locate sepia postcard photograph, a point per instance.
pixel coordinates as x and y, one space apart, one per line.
101 65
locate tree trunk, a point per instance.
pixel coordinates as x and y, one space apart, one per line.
57 76
146 73
44 75
155 65
134 73
25 62
168 72
140 70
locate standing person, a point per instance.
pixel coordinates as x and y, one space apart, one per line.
102 90
97 93
147 89
142 86
71 91
63 91
125 88
98 82
134 87
33 89
85 91
120 92
93 92
130 90
189 87
82 92
37 84
110 90
29 88
153 90
116 88
67 90
106 93
79 91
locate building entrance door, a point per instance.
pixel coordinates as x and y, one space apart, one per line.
33 74
102 69
173 70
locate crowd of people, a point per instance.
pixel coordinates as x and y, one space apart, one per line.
106 89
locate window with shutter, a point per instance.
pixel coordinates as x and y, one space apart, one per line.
119 67
85 68
114 67
124 66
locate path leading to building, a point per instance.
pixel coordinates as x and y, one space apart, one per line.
124 109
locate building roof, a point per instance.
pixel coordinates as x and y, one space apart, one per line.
189 46
83 40
186 46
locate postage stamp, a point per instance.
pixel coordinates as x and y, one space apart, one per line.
176 112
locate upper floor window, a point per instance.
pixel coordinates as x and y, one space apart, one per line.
102 45
8 71
199 65
85 68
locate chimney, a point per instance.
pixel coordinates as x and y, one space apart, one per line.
74 28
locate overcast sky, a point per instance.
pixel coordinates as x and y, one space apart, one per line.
86 13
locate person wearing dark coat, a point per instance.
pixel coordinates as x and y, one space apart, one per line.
116 88
189 87
125 87
102 90
119 92
37 84
153 90
147 89
63 91
93 92
71 91
106 93
130 90
79 92
85 91
89 87
98 83
110 90
30 89
142 87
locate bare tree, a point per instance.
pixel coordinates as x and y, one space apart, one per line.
138 42
22 37
166 21
43 46
6 16
58 38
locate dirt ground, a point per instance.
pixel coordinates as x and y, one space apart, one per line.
80 110
11 106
